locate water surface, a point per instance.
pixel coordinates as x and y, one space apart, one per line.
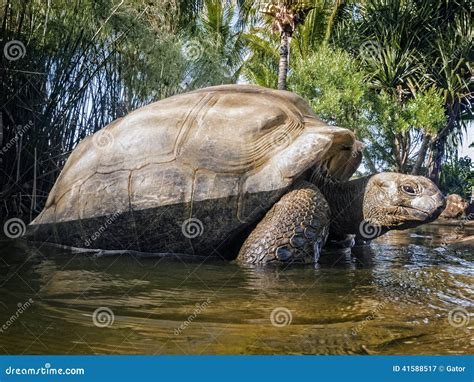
407 293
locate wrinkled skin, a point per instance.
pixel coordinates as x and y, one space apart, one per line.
386 201
399 201
366 207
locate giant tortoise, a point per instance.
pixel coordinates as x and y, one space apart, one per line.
227 171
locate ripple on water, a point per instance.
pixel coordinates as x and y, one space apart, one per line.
394 297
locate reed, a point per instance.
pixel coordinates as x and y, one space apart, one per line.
69 68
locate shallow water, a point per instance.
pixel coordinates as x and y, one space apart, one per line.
405 294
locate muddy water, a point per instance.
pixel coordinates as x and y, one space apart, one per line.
407 293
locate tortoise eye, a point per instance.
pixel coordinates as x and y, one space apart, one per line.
409 189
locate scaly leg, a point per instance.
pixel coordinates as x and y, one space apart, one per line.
293 231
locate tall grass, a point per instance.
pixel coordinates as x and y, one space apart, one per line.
84 64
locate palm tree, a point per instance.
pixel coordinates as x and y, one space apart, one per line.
386 43
301 27
286 15
408 47
218 44
261 67
448 61
284 18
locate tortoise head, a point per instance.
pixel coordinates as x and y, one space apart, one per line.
399 201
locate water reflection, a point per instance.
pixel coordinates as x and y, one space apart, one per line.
393 297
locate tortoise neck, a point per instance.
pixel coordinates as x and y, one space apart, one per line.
346 201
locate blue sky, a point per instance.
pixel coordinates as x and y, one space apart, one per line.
468 139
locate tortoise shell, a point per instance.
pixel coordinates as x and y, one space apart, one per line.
190 173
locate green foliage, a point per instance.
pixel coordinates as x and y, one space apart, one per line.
457 177
426 111
332 84
409 48
89 62
395 130
388 114
313 29
216 49
261 68
404 67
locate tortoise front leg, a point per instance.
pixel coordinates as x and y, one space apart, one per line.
293 231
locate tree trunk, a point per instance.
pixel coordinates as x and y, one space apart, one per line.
283 66
437 155
405 150
439 143
396 152
421 155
